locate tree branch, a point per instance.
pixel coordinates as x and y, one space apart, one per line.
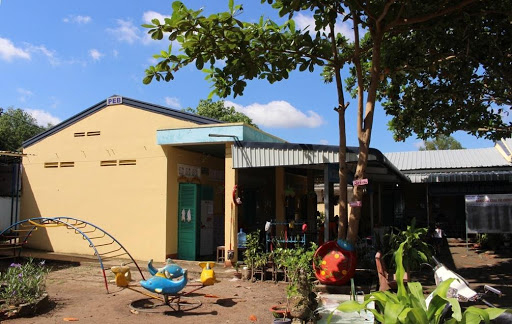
416 20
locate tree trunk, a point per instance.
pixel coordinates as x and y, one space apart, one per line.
364 135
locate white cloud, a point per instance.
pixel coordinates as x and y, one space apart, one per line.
8 51
95 54
125 31
24 94
41 49
77 19
308 22
42 117
115 53
173 102
419 144
278 114
324 142
146 18
150 15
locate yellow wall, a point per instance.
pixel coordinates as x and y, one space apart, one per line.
134 203
179 156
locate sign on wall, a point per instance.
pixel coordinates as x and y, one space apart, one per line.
489 213
189 171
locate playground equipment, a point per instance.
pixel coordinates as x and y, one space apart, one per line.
337 262
104 245
169 281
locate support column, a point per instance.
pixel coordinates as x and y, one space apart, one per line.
230 209
280 208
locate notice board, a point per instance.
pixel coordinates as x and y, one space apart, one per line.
489 213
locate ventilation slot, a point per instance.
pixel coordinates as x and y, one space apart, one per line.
95 133
127 162
67 164
108 163
81 134
51 164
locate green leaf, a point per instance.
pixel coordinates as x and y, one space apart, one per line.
199 63
231 6
147 79
392 312
148 26
352 306
155 21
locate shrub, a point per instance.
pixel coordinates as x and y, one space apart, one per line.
23 283
408 305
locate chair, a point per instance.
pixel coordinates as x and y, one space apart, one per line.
386 280
221 253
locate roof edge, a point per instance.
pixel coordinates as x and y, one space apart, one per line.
125 101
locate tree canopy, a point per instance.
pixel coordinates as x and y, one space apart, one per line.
442 142
418 57
219 111
16 126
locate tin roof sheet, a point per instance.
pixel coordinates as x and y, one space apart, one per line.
448 159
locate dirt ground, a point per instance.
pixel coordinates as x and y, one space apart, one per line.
78 292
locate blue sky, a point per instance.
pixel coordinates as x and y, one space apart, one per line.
58 58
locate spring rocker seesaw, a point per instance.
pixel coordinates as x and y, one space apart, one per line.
168 281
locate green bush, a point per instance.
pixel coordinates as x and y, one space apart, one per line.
23 283
416 249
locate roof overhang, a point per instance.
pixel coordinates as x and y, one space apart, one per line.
470 176
254 155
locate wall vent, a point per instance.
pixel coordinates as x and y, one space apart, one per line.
94 133
108 163
51 164
80 134
127 162
67 164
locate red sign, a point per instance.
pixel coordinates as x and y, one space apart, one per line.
356 203
360 182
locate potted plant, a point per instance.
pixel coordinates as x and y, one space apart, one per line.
416 250
252 252
408 304
301 297
237 274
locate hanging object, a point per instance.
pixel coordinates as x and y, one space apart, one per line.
189 216
337 262
236 200
183 218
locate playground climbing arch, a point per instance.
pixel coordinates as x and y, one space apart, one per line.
104 245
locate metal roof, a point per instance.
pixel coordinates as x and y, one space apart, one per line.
472 176
448 159
258 154
128 102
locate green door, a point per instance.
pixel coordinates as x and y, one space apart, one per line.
188 221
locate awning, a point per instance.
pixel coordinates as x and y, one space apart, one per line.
258 154
470 176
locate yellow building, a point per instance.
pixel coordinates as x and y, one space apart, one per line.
162 182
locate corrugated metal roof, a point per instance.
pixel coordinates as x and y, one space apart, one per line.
475 176
287 154
448 159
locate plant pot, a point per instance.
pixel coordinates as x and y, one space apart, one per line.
237 275
29 309
246 273
280 311
282 321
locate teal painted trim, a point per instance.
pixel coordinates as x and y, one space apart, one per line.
222 134
255 135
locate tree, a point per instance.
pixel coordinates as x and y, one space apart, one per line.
268 50
219 111
16 126
442 142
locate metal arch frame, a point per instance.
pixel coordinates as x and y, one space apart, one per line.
61 220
